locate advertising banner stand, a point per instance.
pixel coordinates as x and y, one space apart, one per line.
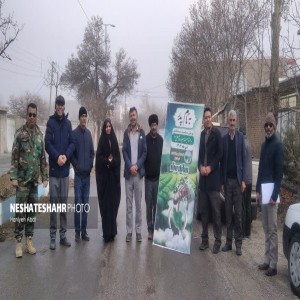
178 177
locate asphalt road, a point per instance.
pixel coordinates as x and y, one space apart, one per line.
120 270
5 160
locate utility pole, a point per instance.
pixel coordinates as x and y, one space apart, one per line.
274 76
51 83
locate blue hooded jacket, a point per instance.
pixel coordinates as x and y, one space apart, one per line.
58 141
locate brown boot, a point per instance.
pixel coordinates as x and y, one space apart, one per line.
29 246
19 251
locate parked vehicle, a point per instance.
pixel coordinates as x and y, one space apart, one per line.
291 245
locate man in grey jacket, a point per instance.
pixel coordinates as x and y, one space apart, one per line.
134 154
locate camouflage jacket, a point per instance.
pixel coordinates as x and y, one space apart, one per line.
28 159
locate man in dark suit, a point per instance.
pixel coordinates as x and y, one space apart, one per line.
210 154
233 167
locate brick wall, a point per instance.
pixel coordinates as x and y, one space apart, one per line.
252 116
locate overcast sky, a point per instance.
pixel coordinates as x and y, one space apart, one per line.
54 28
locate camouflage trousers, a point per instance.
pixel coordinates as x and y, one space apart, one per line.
25 194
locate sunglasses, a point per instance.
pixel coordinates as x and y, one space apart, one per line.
268 125
31 115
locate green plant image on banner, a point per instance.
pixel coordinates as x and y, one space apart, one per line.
178 177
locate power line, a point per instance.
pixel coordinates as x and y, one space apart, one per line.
27 75
17 58
83 10
13 64
37 88
155 87
24 51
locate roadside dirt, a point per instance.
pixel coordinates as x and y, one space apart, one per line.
6 188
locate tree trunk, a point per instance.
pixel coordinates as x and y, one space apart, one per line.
274 76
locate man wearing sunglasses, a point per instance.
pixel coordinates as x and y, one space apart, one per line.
28 162
270 170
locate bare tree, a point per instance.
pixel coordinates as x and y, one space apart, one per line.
274 78
18 105
212 49
98 81
9 31
291 48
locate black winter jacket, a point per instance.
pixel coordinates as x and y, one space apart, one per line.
214 149
270 169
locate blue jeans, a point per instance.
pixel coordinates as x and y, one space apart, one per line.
82 193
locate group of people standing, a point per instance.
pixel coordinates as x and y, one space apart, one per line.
66 147
225 165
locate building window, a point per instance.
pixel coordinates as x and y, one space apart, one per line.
288 101
286 121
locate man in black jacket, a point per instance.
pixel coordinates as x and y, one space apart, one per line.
210 154
152 168
82 161
233 182
270 170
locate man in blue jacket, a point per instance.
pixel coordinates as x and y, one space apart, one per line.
233 170
82 161
59 146
134 154
270 170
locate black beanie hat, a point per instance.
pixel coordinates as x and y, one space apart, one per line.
153 119
60 100
82 111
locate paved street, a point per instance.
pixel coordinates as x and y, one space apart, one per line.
94 270
5 160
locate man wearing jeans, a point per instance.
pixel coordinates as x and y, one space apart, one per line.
82 161
59 146
134 154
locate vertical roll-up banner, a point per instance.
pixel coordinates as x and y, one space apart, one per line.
178 177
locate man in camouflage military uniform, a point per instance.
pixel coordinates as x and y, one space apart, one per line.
28 162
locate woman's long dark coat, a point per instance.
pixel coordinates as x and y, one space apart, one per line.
108 182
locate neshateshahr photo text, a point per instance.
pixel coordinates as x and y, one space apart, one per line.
48 207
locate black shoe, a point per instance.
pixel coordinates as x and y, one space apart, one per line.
216 249
271 272
52 244
85 237
227 247
238 251
138 237
64 242
128 237
204 245
263 267
77 237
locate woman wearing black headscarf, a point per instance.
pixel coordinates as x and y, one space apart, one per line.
108 162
